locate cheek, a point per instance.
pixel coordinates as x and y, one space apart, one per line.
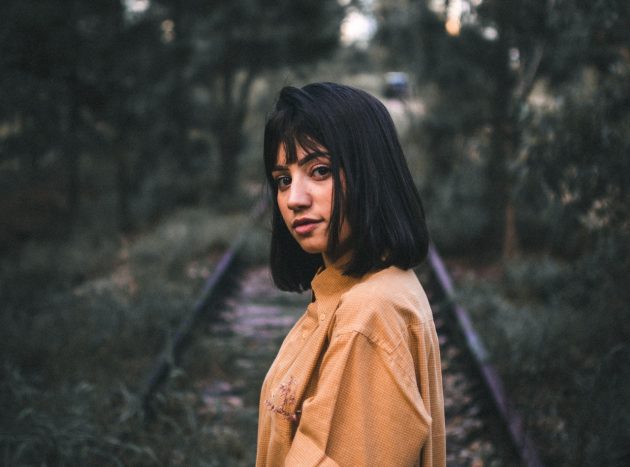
282 207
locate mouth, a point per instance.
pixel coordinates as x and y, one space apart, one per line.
304 225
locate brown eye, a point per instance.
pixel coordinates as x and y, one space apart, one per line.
321 171
283 181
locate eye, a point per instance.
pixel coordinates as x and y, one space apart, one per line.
320 172
283 181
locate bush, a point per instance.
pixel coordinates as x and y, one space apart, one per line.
558 332
81 325
456 215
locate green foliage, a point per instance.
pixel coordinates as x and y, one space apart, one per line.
557 331
579 150
87 424
63 426
534 280
531 103
458 201
155 102
571 137
604 430
81 325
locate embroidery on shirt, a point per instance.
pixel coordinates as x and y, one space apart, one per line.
285 401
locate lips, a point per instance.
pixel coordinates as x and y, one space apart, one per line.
305 225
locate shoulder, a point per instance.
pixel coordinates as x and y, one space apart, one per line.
391 289
382 306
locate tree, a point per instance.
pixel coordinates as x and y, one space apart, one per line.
70 85
89 79
227 45
486 67
578 146
540 94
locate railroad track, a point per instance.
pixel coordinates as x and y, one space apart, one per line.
476 434
259 316
481 427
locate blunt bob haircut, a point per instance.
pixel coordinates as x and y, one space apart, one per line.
380 201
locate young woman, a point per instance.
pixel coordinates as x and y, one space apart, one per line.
357 381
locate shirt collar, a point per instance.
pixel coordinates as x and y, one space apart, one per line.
330 282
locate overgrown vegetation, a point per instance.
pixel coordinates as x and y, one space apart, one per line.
157 97
527 136
82 326
518 135
129 141
558 331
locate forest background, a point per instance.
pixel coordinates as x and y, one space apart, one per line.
130 143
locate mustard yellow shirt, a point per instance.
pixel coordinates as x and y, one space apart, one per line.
357 381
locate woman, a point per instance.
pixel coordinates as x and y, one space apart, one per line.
357 380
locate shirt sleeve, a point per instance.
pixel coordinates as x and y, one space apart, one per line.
366 408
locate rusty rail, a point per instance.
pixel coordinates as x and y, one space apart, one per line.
508 413
170 355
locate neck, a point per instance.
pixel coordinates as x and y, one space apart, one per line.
337 261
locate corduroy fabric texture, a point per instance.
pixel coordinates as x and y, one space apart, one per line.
357 381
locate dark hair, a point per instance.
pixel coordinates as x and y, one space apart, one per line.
380 201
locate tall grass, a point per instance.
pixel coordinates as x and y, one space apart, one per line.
81 325
559 333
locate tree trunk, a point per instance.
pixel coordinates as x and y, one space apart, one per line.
229 129
503 219
510 236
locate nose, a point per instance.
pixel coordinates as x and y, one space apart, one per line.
299 195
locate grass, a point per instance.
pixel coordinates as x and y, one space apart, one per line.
561 356
81 326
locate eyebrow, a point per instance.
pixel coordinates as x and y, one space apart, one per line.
305 160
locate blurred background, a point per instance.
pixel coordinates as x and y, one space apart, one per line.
130 155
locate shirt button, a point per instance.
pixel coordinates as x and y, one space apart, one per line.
304 335
322 317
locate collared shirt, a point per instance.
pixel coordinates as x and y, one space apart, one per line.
357 381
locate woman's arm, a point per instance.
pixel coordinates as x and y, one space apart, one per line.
366 408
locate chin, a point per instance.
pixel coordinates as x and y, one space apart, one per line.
312 248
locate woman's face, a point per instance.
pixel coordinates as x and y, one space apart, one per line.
305 196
